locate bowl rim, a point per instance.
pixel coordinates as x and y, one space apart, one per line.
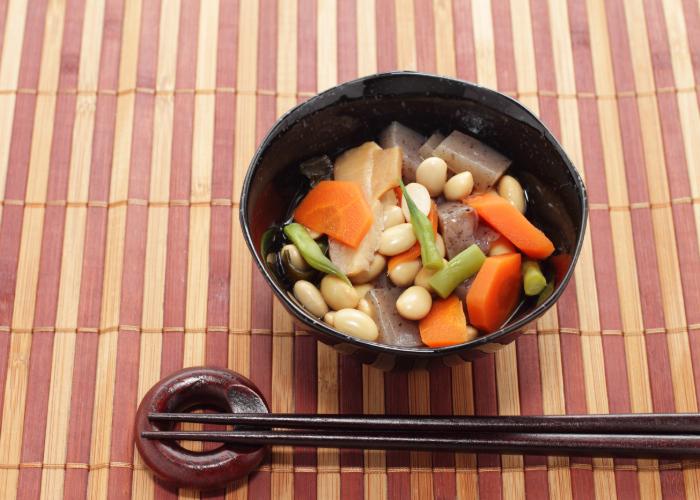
289 117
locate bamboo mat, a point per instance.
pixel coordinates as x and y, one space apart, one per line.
126 127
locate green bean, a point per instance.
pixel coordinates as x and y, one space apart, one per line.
423 229
533 279
312 253
462 266
545 293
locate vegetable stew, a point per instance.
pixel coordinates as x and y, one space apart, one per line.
414 240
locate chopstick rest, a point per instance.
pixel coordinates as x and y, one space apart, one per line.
217 389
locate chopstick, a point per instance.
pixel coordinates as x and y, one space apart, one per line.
650 423
600 445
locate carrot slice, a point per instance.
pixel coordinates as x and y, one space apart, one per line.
399 194
414 252
338 209
508 221
433 217
495 292
445 324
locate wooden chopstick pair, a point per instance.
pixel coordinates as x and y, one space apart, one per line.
630 435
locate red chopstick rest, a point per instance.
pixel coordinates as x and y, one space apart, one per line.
217 389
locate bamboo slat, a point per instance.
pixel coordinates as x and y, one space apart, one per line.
9 78
282 478
69 296
27 271
156 246
328 460
114 254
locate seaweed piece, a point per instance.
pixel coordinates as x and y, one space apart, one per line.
317 169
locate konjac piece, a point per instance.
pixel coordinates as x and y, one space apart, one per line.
409 141
484 236
426 150
458 222
393 329
463 152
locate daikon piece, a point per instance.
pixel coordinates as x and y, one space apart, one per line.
386 171
352 261
356 165
389 199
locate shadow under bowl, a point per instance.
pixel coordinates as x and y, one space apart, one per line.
356 111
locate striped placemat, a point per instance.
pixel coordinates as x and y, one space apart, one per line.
126 127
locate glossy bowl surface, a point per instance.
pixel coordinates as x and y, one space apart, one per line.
353 112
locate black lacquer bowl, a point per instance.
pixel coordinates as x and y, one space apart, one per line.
354 112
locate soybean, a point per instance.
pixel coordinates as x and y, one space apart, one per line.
294 266
364 306
393 216
414 303
356 323
338 294
404 273
314 234
510 189
499 247
363 289
432 173
294 257
420 196
311 252
329 318
423 278
440 244
311 298
472 333
375 268
459 186
397 239
423 229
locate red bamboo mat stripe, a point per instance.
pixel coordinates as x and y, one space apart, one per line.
126 127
